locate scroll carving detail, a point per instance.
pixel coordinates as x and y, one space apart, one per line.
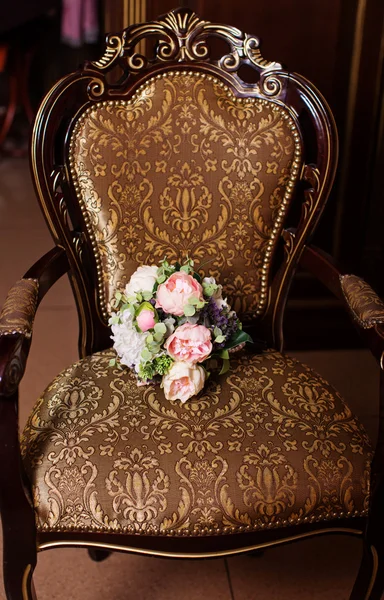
183 36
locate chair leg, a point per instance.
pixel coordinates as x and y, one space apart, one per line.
369 584
18 579
98 555
17 514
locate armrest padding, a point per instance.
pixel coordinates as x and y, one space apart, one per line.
366 307
19 309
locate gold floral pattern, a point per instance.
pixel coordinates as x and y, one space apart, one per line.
364 303
19 308
185 167
269 444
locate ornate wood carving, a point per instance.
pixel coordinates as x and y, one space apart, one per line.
183 36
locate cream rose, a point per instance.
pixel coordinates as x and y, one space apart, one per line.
189 343
183 381
142 280
173 295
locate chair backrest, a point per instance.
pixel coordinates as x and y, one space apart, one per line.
138 157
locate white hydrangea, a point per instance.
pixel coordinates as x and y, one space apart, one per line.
128 342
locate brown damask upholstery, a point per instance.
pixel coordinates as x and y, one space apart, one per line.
19 308
364 303
186 168
270 443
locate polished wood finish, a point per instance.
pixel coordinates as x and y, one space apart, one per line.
50 165
17 514
200 546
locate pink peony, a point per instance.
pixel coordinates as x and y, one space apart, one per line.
183 381
173 295
189 343
146 319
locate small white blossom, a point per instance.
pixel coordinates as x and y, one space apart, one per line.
142 280
128 342
221 302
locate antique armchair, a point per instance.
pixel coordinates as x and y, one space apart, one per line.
134 158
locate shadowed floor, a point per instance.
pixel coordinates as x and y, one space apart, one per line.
321 568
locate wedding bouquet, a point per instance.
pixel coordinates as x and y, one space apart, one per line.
168 322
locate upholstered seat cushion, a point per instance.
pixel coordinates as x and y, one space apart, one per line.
270 443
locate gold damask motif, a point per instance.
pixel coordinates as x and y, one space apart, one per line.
268 483
269 444
19 308
141 498
186 168
365 305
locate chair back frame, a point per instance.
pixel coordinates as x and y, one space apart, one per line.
182 43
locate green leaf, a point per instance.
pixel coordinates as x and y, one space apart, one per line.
160 328
149 339
161 278
154 348
238 338
185 268
220 338
217 331
115 320
224 354
112 362
210 288
158 336
197 277
146 354
147 295
225 367
193 300
189 310
118 296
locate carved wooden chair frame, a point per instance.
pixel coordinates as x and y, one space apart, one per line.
182 44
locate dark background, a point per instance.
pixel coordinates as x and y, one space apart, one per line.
338 45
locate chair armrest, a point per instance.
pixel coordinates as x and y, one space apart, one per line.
365 305
18 313
361 302
19 308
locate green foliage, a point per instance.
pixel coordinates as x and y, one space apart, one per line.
147 371
160 328
162 364
158 366
238 338
189 310
210 289
164 271
219 337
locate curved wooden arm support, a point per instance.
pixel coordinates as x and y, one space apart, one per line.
16 509
17 321
366 311
325 269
